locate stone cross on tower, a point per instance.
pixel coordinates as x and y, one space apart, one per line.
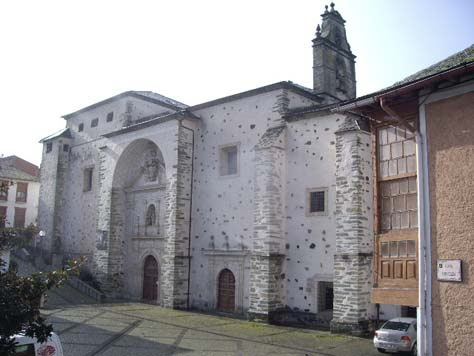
333 61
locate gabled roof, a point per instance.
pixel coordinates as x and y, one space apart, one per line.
20 164
13 173
143 95
153 120
61 133
455 65
457 59
296 88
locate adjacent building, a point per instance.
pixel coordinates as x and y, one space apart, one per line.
423 158
19 204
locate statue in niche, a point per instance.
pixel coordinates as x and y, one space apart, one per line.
341 76
152 164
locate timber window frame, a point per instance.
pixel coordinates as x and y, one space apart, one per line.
21 192
19 218
396 179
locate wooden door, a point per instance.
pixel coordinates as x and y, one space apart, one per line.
226 291
150 279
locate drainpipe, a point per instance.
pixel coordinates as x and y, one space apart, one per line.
190 215
424 319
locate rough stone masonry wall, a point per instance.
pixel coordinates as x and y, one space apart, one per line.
178 198
61 175
354 236
48 174
266 279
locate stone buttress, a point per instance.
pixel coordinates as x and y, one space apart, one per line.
354 233
175 270
266 282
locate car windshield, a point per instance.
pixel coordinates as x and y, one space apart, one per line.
396 325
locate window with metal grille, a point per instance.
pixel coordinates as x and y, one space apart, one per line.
21 192
49 147
316 201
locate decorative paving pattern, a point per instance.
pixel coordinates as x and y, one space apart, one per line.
141 329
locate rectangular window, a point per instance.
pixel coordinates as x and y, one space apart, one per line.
21 192
325 296
66 148
4 189
81 127
95 122
316 201
88 172
19 219
3 216
49 147
397 185
110 116
229 160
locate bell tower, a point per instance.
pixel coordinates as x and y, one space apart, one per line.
333 61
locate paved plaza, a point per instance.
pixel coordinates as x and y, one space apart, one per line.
137 329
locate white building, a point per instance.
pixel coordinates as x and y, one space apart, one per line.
257 203
18 205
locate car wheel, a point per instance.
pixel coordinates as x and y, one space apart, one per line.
381 350
414 350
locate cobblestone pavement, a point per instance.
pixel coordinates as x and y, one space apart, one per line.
140 329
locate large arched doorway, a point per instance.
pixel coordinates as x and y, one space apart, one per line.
226 291
150 279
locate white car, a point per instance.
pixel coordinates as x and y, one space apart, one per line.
27 346
396 335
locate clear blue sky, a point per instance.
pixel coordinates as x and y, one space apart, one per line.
59 56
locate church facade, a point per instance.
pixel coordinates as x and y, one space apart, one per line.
259 203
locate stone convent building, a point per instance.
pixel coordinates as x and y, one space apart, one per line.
258 203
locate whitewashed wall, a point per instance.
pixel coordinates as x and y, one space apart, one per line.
310 239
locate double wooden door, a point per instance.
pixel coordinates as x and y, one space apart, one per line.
226 291
150 279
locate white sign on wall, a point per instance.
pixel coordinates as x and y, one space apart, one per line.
449 270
